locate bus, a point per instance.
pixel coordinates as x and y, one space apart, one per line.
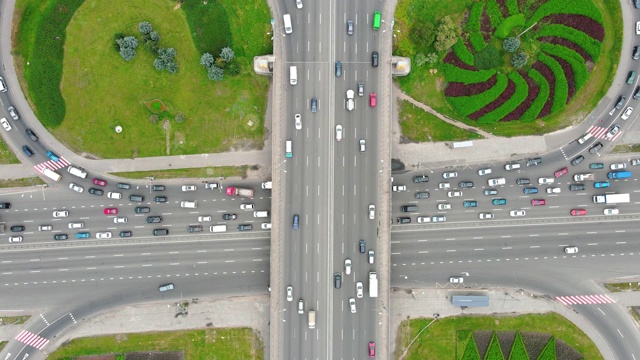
376 20
287 24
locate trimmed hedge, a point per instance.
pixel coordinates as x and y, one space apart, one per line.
494 352
551 7
473 24
460 49
522 91
466 105
493 10
561 88
477 41
518 351
505 27
512 6
455 74
549 351
471 351
589 44
580 72
532 113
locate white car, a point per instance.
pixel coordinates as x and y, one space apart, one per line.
456 280
5 124
444 206
359 290
423 219
485 216
545 180
627 113
483 172
444 185
512 166
363 145
300 306
13 239
454 193
398 188
438 218
339 132
351 104
450 175
247 206
299 4
352 305
103 235
347 266
372 211
114 195
60 213
120 220
265 226
611 211
638 28
289 293
517 213
45 228
189 188
204 218
553 190
618 166
298 118
571 250
76 187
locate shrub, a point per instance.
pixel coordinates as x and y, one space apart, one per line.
580 72
455 74
493 10
561 89
207 60
505 27
227 54
511 44
473 24
447 34
422 33
179 117
522 91
153 36
512 6
432 57
116 37
532 112
221 63
166 60
153 118
549 351
477 41
488 58
586 8
127 47
420 59
145 28
518 351
589 44
463 53
466 105
215 73
233 69
519 60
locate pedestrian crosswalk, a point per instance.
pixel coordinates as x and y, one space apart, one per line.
32 339
601 133
52 165
584 299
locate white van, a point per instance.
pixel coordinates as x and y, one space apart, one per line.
287 24
51 174
496 181
288 149
261 214
267 185
218 228
512 166
293 75
77 172
189 204
584 138
312 319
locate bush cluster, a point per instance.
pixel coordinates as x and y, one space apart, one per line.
561 89
447 34
519 60
586 8
488 58
166 59
520 95
477 41
463 53
580 72
512 6
511 44
126 46
505 27
473 24
466 105
493 10
216 67
543 94
589 44
456 74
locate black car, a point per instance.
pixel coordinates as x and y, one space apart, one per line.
124 186
422 195
60 237
595 148
534 161
465 184
124 234
314 105
160 199
523 181
160 232
32 135
27 150
576 187
142 210
337 280
5 205
229 216
363 246
577 160
244 227
97 192
404 220
136 198
158 188
17 228
636 94
620 102
420 179
154 219
194 228
374 59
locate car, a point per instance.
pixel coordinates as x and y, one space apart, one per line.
362 145
244 227
347 266
114 195
103 235
530 190
339 132
362 245
338 69
17 228
142 210
158 188
299 4
265 226
561 172
450 175
94 191
166 287
496 182
611 211
576 187
289 293
523 181
638 28
160 199
314 105
125 234
374 59
110 211
538 202
27 151
618 166
444 206
76 225
206 218
454 194
123 186
439 218
83 235
60 213
13 239
636 94
517 213
160 232
485 216
499 201
404 220
352 305
489 192
627 113
456 279
154 219
300 306
398 188
372 99
228 216
571 250
60 237
419 179
470 204
577 160
422 195
75 187
247 207
511 166
349 27
595 148
298 121
120 220
13 113
372 349
5 205
596 166
359 290
188 188
371 256
423 219
444 185
3 85
99 182
5 124
620 102
337 280
483 172
578 212
465 184
553 190
613 130
372 211
534 161
601 184
635 162
360 88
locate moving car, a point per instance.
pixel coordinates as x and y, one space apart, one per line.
596 166
499 201
438 218
530 190
13 239
454 193
444 185
611 211
470 204
512 166
618 166
601 184
110 211
595 148
534 161
571 250
339 132
154 219
456 279
265 226
363 145
76 187
517 213
160 232
205 218
60 237
363 246
372 99
349 27
60 213
372 349
83 235
553 190
538 202
314 105
422 195
465 184
483 172
371 256
166 287
194 228
489 192
347 266
352 305
418 179
404 220
31 135
158 188
289 293
337 280
613 130
5 124
142 210
103 235
189 188
450 175
245 227
372 211
444 206
423 219
298 120
359 290
578 212
45 227
398 188
13 113
300 306
17 228
576 187
338 69
561 172
125 234
99 182
225 217
247 207
577 160
485 216
627 113
94 191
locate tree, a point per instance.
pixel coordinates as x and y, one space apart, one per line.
159 64
447 34
511 44
488 58
172 67
432 57
153 36
422 33
144 27
151 46
215 73
520 59
227 54
233 69
127 53
207 60
420 59
127 47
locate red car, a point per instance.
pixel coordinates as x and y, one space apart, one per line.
538 202
372 349
372 99
111 211
99 182
561 172
578 212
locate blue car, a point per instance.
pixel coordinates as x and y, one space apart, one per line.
470 203
499 201
601 184
83 235
596 166
530 190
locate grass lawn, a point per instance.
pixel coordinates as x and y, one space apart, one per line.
421 126
14 320
220 344
206 172
438 342
6 155
626 149
24 182
623 286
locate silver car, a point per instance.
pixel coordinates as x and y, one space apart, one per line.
76 187
372 211
350 27
289 293
352 305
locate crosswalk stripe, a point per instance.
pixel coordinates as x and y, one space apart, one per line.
32 339
52 165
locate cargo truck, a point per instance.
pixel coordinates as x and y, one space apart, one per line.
583 177
611 199
619 174
236 191
373 284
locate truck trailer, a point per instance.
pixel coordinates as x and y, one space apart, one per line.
611 198
236 191
373 284
583 177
